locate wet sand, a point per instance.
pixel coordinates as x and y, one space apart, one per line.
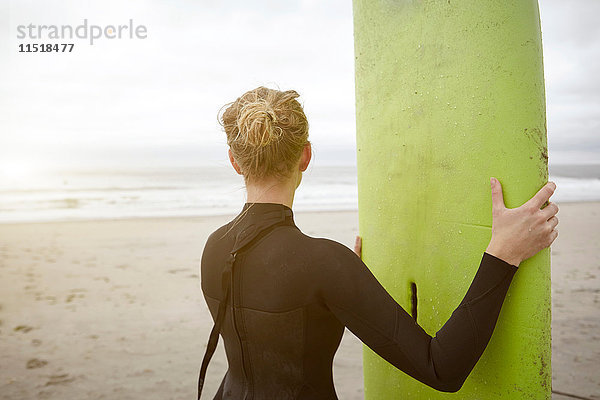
112 309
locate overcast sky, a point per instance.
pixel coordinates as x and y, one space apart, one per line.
161 95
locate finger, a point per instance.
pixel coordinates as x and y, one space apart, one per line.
358 246
553 222
553 236
549 211
497 197
542 195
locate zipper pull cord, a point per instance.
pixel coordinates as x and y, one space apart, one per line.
214 333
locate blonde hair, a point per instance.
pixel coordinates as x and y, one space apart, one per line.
266 130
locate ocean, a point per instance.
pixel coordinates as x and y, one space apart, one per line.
105 193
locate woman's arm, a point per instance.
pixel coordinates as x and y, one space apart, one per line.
444 361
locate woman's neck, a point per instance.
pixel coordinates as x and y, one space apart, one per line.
272 191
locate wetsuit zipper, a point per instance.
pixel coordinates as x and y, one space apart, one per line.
235 329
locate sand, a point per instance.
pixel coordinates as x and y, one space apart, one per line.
112 309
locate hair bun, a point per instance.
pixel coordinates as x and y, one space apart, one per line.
257 124
266 131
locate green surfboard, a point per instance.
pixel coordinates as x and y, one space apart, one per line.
449 93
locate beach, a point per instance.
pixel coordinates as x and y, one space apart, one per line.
112 309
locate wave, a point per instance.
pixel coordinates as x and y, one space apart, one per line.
189 192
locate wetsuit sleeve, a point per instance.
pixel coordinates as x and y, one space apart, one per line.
444 361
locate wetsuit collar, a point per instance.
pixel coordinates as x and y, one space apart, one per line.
264 207
256 217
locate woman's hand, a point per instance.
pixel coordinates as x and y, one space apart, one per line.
519 233
358 246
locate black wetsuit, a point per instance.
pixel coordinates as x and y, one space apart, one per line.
294 294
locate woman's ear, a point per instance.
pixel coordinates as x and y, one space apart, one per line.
305 157
233 163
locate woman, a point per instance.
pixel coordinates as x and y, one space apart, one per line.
281 299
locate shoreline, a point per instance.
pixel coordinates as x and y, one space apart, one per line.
197 217
165 217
